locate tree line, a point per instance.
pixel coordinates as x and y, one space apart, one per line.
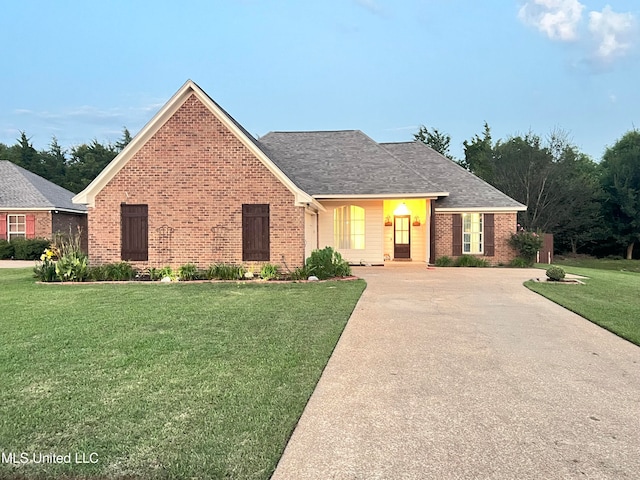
72 169
590 207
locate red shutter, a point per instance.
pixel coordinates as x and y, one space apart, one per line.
457 234
3 227
255 232
31 226
489 235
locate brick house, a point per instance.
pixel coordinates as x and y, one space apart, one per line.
33 207
195 186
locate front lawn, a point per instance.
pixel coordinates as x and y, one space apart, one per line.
599 263
608 298
160 380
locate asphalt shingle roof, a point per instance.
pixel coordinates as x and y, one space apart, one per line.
350 163
465 189
344 162
20 188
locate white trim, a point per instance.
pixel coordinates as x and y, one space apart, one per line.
42 209
21 234
87 196
481 209
383 196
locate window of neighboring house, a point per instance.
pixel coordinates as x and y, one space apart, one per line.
255 232
348 227
472 233
134 221
17 226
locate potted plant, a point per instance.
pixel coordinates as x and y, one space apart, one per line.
387 222
416 221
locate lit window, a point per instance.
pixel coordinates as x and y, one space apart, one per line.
348 227
472 233
17 226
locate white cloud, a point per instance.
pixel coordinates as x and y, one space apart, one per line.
370 5
558 19
613 32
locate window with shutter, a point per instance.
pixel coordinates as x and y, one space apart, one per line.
17 226
3 228
134 225
255 232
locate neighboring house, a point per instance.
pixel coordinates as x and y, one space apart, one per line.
195 186
33 207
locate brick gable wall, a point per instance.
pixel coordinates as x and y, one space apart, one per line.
194 175
504 224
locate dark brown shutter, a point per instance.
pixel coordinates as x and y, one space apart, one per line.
489 235
457 234
255 232
134 224
3 228
31 226
432 234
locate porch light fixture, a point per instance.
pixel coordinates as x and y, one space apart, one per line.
401 209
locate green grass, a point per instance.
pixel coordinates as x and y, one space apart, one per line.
161 380
599 263
609 298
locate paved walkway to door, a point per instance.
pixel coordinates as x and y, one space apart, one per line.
465 374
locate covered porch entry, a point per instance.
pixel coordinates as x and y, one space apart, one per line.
407 229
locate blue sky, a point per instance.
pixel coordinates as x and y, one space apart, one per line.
81 70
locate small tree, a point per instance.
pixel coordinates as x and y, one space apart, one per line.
527 244
437 140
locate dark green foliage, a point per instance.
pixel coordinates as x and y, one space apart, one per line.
444 261
520 262
29 249
327 263
223 271
300 273
435 139
6 250
470 261
188 272
527 244
121 271
555 273
621 184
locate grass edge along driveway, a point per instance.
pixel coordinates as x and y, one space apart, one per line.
609 298
160 381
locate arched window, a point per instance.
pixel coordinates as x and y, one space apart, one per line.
348 227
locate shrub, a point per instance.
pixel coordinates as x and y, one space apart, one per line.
223 271
167 271
154 274
444 261
29 249
269 271
327 263
45 270
519 262
527 244
120 271
555 273
300 273
188 272
72 267
470 261
6 250
65 258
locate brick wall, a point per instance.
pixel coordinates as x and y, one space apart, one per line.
195 175
504 224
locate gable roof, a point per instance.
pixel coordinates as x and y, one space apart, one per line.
466 191
87 196
21 189
345 163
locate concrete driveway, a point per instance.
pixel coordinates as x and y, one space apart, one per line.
465 374
17 263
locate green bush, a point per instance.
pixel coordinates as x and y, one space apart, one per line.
300 273
120 271
555 273
527 244
188 272
470 261
223 271
6 250
269 271
45 270
29 249
327 263
72 267
519 262
444 261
